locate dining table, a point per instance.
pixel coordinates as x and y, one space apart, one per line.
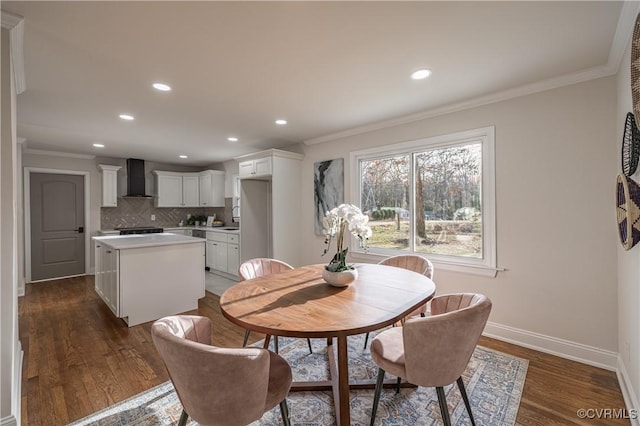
299 303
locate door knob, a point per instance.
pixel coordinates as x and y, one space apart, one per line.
80 230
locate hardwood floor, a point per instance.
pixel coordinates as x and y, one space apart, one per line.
80 359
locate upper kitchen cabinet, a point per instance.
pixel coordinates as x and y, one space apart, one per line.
175 189
201 189
270 213
109 185
211 183
255 168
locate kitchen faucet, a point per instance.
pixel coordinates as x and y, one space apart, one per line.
233 218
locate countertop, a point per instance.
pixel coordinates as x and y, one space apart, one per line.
123 242
226 229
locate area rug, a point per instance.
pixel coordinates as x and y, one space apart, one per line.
494 382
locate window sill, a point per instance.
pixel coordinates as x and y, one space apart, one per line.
483 271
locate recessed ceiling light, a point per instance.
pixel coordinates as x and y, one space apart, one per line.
232 139
183 156
162 87
126 117
98 145
281 122
421 74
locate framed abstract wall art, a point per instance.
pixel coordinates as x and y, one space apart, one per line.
328 188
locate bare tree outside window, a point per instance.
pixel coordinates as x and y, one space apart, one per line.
447 217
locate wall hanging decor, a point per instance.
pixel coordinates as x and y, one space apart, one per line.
630 146
635 68
628 211
328 188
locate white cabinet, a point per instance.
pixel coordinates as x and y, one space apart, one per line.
211 183
174 189
270 215
190 191
107 278
109 185
256 168
168 189
223 253
233 254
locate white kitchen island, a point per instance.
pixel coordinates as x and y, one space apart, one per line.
145 277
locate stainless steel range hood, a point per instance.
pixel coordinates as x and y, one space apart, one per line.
136 179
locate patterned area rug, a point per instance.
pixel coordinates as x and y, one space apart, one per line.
494 382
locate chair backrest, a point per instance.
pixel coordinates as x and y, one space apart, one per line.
412 262
438 347
215 385
261 266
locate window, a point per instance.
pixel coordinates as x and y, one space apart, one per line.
432 196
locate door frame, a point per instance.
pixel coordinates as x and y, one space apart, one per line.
27 215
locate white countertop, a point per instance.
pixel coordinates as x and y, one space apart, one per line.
123 242
175 228
206 228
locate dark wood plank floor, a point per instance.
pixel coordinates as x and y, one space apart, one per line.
79 359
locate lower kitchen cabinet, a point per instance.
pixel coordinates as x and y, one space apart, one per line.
107 277
223 254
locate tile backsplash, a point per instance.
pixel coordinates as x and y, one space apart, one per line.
138 211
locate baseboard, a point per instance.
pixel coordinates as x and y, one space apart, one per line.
21 289
630 398
14 418
552 345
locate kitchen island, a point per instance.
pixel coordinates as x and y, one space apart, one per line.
145 277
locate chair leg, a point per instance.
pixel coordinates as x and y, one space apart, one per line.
366 339
284 410
246 338
463 392
275 344
398 385
183 418
309 343
376 395
442 401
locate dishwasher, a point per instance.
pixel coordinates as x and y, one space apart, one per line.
199 233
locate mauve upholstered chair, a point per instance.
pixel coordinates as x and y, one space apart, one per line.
219 386
414 263
259 267
433 351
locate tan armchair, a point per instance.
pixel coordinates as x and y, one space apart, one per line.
259 267
433 351
219 386
411 262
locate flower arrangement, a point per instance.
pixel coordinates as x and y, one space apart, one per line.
336 223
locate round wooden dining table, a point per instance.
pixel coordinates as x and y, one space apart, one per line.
299 303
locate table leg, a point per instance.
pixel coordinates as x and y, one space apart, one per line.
267 339
343 417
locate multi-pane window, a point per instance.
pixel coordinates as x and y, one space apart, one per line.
433 196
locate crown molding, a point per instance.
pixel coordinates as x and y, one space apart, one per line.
15 25
58 154
624 31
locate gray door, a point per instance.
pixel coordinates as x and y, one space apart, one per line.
57 225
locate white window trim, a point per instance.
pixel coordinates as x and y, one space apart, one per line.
486 266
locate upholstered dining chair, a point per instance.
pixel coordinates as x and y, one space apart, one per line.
259 267
433 351
412 262
219 386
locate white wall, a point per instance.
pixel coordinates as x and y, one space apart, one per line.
556 226
10 348
628 263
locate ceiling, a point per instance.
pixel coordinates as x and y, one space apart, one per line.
328 68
